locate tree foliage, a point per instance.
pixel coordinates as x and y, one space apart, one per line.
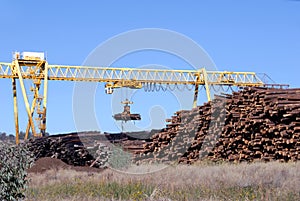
14 161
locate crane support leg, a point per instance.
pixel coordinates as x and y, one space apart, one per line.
14 88
196 90
43 130
32 111
206 84
196 95
25 97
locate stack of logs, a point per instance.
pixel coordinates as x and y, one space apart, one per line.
87 148
68 148
254 124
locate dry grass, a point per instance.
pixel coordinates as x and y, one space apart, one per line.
258 181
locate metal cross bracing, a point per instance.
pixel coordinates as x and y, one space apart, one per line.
110 75
39 72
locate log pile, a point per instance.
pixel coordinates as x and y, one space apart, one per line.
254 124
101 152
68 148
87 148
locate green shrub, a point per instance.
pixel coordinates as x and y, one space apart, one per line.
14 161
119 159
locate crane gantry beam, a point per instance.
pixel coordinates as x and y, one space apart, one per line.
110 74
39 71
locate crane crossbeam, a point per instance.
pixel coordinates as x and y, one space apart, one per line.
110 74
233 78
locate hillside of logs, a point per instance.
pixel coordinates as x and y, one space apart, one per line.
253 124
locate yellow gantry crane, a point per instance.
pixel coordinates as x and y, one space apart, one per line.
33 66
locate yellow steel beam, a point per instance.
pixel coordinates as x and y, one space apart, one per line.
16 67
120 75
6 70
44 120
195 95
206 83
138 76
33 106
196 90
14 88
28 123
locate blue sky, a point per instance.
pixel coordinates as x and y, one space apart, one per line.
252 35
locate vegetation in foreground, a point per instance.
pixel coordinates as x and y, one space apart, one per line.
257 181
14 160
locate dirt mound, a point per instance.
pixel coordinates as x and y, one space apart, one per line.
47 163
43 164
